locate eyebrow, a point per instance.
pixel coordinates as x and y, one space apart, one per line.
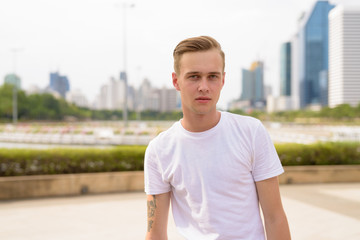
211 73
190 73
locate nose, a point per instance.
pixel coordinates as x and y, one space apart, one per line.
203 85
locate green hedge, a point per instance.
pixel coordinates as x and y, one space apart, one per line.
18 162
327 153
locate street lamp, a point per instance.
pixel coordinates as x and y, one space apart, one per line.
125 108
15 108
15 102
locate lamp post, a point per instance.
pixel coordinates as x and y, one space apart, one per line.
15 98
125 107
14 110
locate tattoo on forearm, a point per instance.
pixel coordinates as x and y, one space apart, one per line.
151 206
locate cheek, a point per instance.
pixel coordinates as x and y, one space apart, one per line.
217 86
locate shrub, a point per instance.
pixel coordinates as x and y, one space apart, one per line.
327 153
18 162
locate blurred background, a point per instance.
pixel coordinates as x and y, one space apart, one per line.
96 75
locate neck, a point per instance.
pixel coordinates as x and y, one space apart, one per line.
200 122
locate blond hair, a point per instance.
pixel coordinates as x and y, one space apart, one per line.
196 44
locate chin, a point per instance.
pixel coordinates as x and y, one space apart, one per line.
205 111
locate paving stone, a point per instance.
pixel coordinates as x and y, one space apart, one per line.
317 211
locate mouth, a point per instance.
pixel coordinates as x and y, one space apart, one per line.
202 99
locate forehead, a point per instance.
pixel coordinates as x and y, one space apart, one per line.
203 61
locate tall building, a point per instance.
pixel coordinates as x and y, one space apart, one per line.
285 69
253 85
59 84
295 72
112 94
105 97
247 93
117 95
144 94
344 55
77 97
155 99
168 99
13 79
258 72
111 97
311 56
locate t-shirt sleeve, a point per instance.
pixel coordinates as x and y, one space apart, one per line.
153 177
266 163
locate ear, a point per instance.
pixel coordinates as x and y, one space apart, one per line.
175 81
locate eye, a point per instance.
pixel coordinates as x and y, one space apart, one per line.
213 77
193 77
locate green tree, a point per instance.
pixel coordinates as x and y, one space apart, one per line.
6 96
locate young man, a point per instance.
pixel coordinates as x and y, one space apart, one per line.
214 167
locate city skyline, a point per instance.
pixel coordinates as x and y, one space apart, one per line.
83 39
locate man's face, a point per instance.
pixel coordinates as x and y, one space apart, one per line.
200 81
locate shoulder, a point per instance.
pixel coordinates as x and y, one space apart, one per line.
243 122
166 137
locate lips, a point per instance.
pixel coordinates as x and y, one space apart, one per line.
202 99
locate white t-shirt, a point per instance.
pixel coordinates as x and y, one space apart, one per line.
212 175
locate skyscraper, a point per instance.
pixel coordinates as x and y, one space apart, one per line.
247 85
312 55
344 55
285 69
253 85
59 83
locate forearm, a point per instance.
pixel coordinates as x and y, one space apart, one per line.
157 219
152 236
277 229
276 224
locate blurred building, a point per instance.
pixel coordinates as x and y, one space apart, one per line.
168 99
143 95
122 94
310 57
253 86
147 97
104 97
117 93
34 89
284 101
112 95
295 72
76 97
54 93
59 84
278 104
13 79
344 55
131 98
154 99
285 69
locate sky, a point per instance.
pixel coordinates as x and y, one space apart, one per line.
83 39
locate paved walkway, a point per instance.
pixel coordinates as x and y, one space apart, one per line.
315 212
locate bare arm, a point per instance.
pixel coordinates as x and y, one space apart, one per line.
157 216
276 224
